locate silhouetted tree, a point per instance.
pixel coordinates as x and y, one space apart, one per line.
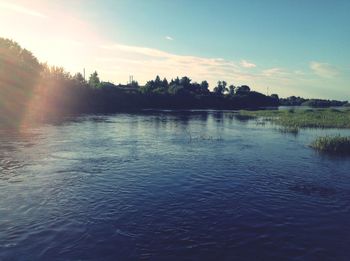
175 81
275 96
133 84
106 85
185 82
79 78
242 90
220 89
19 78
165 83
231 90
53 91
157 81
204 87
94 80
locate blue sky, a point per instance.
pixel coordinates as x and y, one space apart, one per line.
293 47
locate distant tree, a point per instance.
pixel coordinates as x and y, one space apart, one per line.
185 82
241 90
106 85
292 101
94 80
177 90
134 84
204 87
148 88
231 90
275 96
154 86
321 103
55 73
165 83
195 88
157 81
220 89
20 75
30 90
175 81
79 78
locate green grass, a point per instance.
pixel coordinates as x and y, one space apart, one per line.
290 121
289 130
317 118
332 145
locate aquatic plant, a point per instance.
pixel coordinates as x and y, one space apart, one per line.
332 144
320 118
289 129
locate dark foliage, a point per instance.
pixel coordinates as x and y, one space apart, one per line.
317 103
28 86
19 74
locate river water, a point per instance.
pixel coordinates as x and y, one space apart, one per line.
200 185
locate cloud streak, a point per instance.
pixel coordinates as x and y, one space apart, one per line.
273 72
246 64
157 61
21 9
324 70
145 63
169 38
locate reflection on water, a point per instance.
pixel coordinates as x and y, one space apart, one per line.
162 185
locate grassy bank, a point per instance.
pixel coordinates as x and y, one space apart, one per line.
290 121
317 118
332 145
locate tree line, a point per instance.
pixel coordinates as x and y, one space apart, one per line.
34 90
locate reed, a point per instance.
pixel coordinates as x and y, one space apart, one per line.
332 145
318 118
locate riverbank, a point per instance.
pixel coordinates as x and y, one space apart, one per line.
290 121
310 118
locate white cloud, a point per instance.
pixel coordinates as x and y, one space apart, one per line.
67 40
169 38
145 63
21 9
273 72
246 64
148 61
324 70
299 72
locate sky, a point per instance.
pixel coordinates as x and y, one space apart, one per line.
288 47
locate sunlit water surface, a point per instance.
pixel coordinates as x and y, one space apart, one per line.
171 186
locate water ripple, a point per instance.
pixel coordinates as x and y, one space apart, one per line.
132 187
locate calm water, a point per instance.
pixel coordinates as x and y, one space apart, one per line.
170 186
